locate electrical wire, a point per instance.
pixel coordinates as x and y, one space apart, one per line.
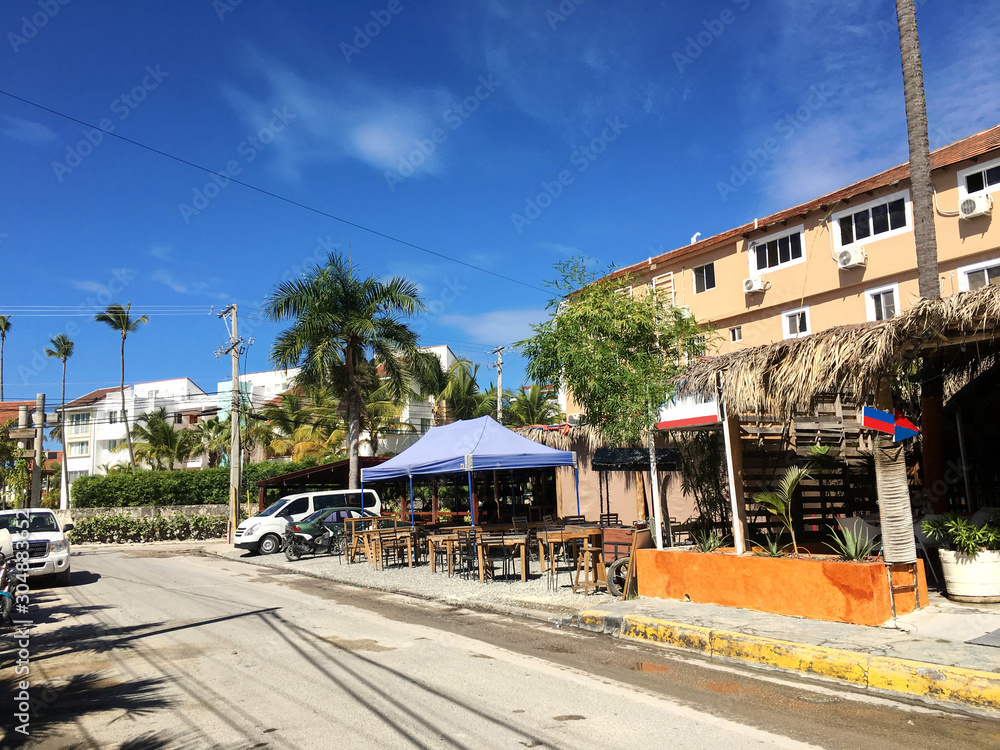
272 194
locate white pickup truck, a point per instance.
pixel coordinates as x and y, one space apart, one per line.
48 549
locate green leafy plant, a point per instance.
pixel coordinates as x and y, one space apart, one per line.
958 534
119 528
779 502
772 547
708 541
851 544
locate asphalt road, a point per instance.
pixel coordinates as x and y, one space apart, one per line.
162 648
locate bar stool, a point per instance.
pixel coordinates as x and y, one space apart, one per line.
591 564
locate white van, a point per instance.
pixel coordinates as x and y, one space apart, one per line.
263 533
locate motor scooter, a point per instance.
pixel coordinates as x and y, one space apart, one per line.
305 538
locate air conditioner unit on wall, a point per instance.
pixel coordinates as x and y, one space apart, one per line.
976 205
754 284
851 258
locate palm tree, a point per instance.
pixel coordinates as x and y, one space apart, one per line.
465 400
535 405
5 326
341 323
119 319
924 236
213 434
436 384
62 348
304 421
157 442
381 417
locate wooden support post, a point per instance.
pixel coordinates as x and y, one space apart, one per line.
734 467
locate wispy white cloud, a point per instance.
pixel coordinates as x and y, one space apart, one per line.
197 288
91 286
161 251
341 119
496 326
26 131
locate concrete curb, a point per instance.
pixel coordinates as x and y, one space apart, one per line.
954 685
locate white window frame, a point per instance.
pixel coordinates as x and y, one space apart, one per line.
850 211
963 192
736 334
870 300
673 289
69 449
73 430
625 291
694 278
752 247
964 271
784 323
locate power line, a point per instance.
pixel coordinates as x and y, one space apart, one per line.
274 195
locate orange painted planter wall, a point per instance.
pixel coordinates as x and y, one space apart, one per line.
817 588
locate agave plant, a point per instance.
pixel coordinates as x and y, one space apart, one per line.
851 544
772 547
708 541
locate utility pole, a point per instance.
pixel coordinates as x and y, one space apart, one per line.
234 349
499 365
39 457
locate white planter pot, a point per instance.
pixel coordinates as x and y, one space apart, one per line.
970 579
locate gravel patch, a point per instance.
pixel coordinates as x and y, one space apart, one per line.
534 597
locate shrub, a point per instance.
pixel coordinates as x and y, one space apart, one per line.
118 528
199 487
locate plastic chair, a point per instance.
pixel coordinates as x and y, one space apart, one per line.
984 515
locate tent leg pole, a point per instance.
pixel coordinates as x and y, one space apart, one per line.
472 510
413 522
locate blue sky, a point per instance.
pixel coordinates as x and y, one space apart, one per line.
507 134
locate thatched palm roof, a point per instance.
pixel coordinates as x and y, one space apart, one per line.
783 378
562 436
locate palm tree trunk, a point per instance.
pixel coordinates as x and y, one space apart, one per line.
3 340
925 239
128 434
353 438
64 490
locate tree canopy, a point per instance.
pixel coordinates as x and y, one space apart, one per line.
617 354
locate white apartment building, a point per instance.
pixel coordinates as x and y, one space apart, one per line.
257 389
95 425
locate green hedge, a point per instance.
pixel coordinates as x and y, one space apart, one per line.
199 487
121 527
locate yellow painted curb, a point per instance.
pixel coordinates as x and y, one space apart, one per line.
669 633
968 687
591 618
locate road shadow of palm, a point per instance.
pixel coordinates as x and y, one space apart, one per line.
51 706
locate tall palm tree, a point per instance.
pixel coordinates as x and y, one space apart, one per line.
340 324
62 348
535 405
924 236
119 319
5 326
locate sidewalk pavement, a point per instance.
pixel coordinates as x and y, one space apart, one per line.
941 653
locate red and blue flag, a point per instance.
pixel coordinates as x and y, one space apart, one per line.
893 423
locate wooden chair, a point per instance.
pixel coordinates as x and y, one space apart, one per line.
610 519
572 520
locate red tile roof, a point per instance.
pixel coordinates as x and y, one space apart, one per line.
967 148
9 410
91 398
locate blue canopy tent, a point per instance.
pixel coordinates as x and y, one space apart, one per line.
466 446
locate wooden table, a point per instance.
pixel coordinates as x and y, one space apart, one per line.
551 537
487 539
376 539
448 539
